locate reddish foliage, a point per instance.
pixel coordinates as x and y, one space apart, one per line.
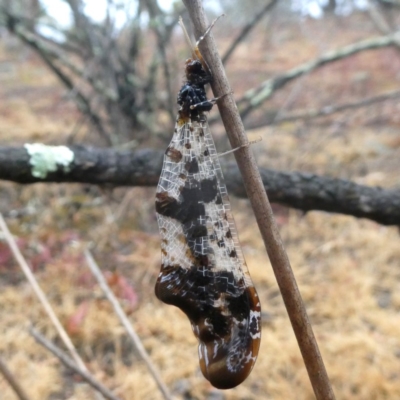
75 321
122 289
5 254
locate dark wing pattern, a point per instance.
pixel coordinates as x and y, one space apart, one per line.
203 271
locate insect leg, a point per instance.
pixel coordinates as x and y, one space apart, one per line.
240 147
207 104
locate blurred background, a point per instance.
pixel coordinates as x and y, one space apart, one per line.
318 81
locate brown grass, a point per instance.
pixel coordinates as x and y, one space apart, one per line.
347 269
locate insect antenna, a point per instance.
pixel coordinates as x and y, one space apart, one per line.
208 30
185 33
195 49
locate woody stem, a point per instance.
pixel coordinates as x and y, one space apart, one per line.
262 209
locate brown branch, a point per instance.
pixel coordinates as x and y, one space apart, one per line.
253 98
302 191
262 209
9 377
89 378
247 29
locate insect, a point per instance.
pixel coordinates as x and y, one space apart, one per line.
203 271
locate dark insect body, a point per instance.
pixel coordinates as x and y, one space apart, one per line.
203 271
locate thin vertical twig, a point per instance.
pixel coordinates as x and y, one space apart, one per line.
39 293
262 209
247 29
126 324
69 363
10 378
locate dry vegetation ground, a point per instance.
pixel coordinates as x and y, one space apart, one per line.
347 269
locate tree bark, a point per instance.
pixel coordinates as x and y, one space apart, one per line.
299 190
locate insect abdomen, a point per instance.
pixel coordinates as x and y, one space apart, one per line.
225 319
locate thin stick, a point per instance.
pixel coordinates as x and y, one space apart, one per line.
40 294
253 98
325 111
187 37
10 378
126 324
247 29
69 363
262 210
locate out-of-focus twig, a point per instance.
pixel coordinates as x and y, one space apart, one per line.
393 3
325 111
163 33
255 97
126 324
39 293
48 57
69 363
37 42
10 378
377 18
247 29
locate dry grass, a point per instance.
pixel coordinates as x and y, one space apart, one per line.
347 269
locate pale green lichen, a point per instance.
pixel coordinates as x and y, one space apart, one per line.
45 159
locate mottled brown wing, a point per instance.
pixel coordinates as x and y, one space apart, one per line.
203 271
